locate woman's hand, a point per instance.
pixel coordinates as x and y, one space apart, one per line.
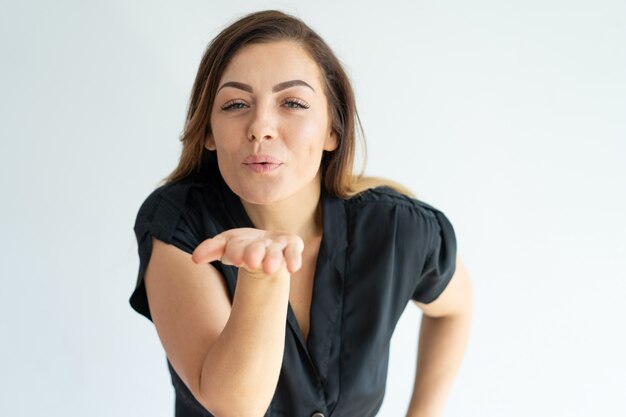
257 251
233 366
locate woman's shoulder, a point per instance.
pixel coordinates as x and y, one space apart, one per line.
173 195
180 197
385 198
382 213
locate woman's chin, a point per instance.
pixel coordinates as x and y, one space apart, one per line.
260 197
264 193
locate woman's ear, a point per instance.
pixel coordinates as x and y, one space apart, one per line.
331 141
209 143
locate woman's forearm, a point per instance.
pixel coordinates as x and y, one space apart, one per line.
442 343
241 369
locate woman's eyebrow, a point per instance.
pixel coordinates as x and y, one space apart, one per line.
278 87
292 83
235 84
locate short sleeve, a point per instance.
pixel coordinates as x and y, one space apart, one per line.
440 261
162 218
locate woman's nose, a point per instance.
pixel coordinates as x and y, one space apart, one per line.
263 125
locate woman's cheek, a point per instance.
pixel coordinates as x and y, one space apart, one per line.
307 132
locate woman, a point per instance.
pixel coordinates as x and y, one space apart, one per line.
264 201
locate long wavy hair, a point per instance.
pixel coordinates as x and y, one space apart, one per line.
272 26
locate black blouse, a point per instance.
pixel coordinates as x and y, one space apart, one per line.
379 250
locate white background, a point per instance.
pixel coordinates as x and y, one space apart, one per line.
509 116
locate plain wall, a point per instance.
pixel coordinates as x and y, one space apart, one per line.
508 116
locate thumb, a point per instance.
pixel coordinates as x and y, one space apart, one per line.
210 250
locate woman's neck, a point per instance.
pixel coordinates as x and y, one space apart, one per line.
300 213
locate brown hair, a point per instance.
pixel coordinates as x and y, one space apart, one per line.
271 26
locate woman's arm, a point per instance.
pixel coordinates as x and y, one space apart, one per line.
443 338
229 357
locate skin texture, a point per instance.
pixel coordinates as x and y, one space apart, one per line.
219 347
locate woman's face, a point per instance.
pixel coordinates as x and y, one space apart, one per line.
270 122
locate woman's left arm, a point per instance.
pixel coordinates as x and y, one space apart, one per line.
443 338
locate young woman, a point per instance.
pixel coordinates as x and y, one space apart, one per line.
273 275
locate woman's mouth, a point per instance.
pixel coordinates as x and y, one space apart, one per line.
263 166
262 163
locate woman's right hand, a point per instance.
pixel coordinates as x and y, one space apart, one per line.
257 251
217 343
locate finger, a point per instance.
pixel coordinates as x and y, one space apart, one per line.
209 250
234 251
293 256
273 258
253 255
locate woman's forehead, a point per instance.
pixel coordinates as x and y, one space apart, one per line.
271 63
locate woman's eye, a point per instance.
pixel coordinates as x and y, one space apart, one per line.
294 103
234 105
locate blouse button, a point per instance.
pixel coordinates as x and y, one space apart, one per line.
317 414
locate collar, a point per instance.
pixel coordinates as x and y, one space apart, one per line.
335 238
